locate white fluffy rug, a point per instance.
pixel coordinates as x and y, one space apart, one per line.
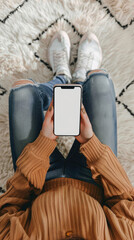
25 31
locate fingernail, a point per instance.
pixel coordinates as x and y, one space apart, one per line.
50 108
83 110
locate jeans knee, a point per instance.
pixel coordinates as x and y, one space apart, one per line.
23 93
100 83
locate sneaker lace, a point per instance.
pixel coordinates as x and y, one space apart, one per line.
60 59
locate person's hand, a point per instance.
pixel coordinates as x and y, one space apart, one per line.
48 124
86 131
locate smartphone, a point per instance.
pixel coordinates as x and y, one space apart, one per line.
67 100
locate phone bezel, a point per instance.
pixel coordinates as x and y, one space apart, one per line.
81 98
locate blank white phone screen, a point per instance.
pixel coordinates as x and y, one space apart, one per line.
67 111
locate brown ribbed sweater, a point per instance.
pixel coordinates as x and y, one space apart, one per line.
34 209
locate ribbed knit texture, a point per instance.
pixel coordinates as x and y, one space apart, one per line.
34 160
34 209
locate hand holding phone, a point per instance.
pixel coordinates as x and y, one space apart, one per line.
86 131
48 124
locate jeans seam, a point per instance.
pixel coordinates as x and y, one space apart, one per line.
38 93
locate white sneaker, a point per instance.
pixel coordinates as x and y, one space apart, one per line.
59 54
89 57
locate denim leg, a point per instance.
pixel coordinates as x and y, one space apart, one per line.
99 102
26 116
100 105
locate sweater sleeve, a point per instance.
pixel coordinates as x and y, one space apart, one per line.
34 160
23 186
118 191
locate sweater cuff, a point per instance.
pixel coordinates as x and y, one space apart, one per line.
92 149
43 146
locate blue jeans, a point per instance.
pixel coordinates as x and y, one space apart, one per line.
26 116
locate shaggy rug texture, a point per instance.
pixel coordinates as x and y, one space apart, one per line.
26 28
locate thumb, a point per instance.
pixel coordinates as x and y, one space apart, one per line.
50 107
83 111
49 112
84 115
